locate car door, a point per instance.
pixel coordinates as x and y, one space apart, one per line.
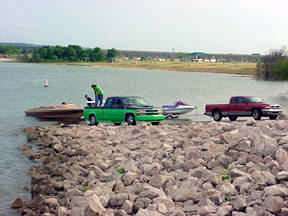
108 110
241 107
115 112
119 110
235 107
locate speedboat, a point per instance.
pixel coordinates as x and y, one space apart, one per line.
176 109
63 112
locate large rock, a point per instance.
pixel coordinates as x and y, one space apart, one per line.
94 207
228 189
17 203
276 190
117 200
281 156
274 203
239 202
253 139
263 178
206 210
128 178
146 212
282 176
224 210
128 206
142 203
186 191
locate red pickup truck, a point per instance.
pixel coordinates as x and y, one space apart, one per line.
243 106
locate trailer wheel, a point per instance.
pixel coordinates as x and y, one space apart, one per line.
92 120
130 119
256 113
217 115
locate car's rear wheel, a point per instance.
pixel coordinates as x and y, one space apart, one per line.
92 120
155 123
130 119
256 113
217 115
273 117
233 118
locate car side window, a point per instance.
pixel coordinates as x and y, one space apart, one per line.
117 103
235 100
109 102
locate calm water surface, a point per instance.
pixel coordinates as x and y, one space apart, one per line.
21 87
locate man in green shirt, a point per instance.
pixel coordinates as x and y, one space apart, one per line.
98 94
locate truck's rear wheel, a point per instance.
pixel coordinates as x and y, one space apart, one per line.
92 120
217 115
256 113
130 119
273 117
233 118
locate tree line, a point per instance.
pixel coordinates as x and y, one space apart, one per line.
273 66
72 53
9 50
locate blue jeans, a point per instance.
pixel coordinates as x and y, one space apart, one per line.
98 100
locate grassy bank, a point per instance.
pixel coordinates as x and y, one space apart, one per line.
229 68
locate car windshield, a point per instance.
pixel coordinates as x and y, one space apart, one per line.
255 100
138 101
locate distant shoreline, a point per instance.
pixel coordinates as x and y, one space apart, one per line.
236 68
227 68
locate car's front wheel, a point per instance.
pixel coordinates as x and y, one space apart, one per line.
217 115
92 120
130 119
256 113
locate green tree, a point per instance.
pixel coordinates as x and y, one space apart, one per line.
111 54
96 55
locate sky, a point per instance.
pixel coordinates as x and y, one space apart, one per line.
215 26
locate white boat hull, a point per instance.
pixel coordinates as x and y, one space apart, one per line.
179 110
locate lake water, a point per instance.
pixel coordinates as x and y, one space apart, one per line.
21 87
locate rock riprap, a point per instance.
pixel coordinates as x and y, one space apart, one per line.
200 168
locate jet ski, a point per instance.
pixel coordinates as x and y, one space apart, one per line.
176 109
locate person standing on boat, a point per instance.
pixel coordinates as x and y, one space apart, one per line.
98 94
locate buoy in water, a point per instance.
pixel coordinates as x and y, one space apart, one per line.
46 83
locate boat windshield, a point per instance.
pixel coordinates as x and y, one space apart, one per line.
136 101
255 100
